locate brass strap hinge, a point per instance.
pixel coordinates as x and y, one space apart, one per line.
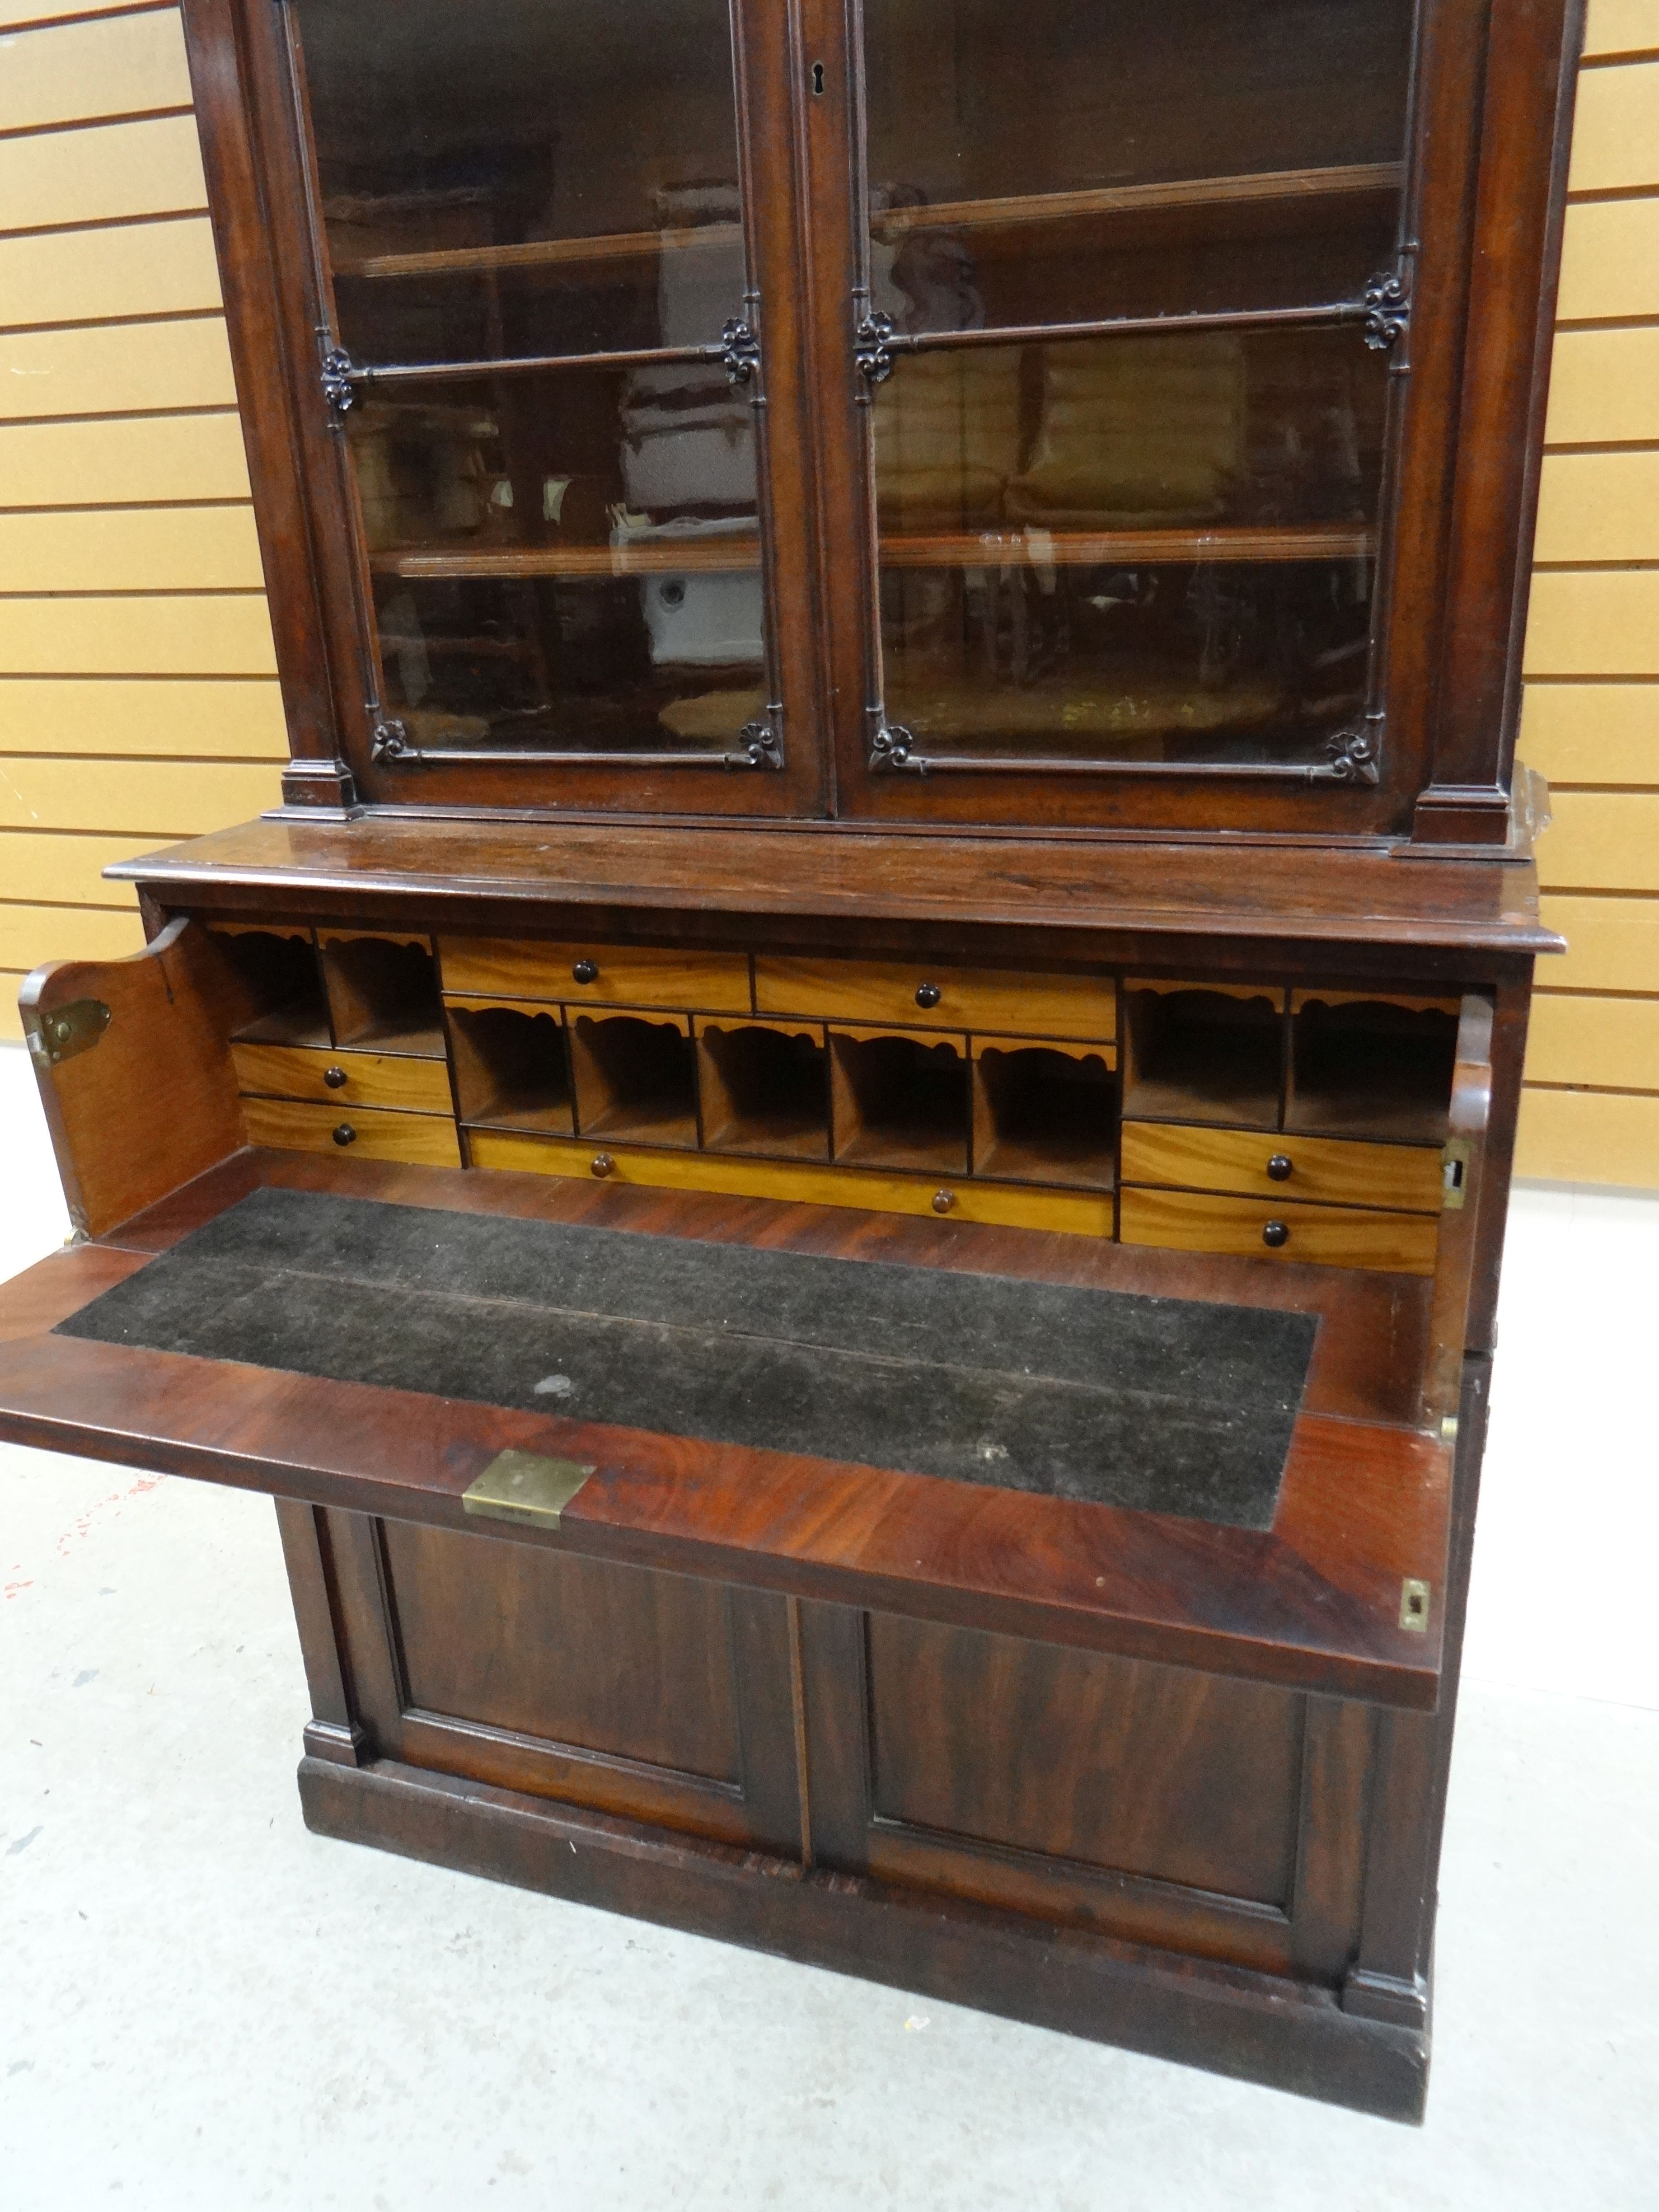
56 1037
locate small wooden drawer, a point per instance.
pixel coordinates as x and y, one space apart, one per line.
1071 1212
342 1078
1328 1170
375 1133
597 974
1319 1236
1015 1004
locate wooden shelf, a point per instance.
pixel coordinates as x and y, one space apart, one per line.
1033 546
654 557
1286 188
1030 546
1276 188
542 252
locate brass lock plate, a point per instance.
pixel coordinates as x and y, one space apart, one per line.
56 1037
1415 1599
526 1487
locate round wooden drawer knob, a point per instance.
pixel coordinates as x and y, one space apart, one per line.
928 995
1274 1235
602 1164
944 1200
586 971
1278 1168
345 1134
334 1077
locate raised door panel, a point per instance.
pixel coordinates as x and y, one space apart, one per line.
1166 1806
655 1696
1107 1764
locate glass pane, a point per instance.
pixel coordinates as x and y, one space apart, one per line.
1136 548
1055 163
505 177
565 561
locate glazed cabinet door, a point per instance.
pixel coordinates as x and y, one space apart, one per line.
551 291
1124 417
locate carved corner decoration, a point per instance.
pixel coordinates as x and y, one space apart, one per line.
760 743
872 348
1388 308
1355 754
740 352
389 741
893 746
339 379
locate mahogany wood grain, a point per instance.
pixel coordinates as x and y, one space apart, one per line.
371 1079
1086 893
1314 1604
376 1133
1328 1170
911 1192
152 1101
1320 1236
625 974
1258 2026
991 998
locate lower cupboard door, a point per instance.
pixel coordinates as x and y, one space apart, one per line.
1152 1802
658 1697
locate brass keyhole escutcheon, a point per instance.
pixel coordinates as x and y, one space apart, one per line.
817 80
1274 1235
602 1164
345 1134
586 971
334 1077
944 1200
1278 1168
928 994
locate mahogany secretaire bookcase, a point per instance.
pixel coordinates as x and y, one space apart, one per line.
843 1156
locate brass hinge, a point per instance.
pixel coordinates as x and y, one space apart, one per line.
526 1487
1454 1174
58 1035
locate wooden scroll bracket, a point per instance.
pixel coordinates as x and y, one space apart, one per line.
140 1096
1464 1161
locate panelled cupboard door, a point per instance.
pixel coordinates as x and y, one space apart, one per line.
1130 405
556 292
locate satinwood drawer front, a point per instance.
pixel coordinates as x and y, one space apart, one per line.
1084 1006
597 974
364 1133
1271 1228
1406 1177
1076 1213
342 1078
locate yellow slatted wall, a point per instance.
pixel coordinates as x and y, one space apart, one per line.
136 697
137 701
1591 1111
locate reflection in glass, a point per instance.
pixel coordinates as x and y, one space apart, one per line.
1158 548
489 186
1192 155
565 561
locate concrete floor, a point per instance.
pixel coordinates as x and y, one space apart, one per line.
202 2006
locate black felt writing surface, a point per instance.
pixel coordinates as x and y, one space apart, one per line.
1166 1405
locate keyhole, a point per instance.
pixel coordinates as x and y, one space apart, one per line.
817 80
